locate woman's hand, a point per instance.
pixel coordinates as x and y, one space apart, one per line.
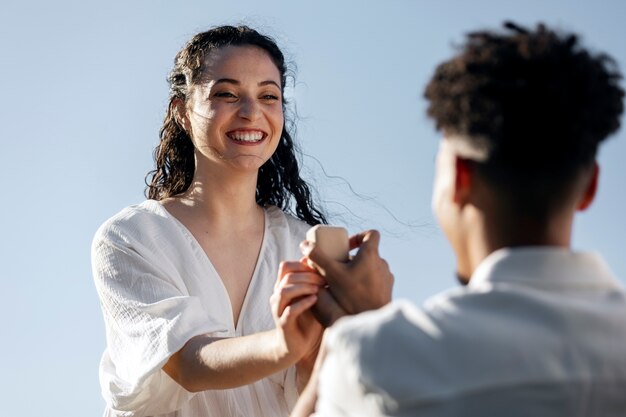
294 294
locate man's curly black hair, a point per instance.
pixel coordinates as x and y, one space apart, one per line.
540 101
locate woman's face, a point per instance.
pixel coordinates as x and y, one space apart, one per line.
234 114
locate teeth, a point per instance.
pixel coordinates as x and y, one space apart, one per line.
246 136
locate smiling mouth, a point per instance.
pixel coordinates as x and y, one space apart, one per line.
251 136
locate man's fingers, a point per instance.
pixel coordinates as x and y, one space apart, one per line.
368 240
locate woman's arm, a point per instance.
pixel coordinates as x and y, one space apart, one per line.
216 363
212 363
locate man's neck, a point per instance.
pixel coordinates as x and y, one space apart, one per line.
493 231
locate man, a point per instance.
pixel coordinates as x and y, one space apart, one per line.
538 329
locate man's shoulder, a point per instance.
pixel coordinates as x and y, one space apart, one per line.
439 332
402 313
399 326
402 350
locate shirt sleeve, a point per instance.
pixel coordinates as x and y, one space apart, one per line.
148 316
339 389
345 387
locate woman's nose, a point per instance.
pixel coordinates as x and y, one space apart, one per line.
249 109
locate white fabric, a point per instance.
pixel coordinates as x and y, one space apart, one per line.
538 332
158 289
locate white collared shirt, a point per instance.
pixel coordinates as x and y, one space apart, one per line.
537 332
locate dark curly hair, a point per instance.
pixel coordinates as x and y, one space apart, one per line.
539 102
279 182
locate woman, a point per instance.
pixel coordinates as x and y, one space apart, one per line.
184 278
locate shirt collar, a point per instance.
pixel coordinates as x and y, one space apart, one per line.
545 266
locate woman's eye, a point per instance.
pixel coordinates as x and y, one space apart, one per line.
270 97
225 94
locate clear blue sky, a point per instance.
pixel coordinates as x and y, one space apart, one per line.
84 92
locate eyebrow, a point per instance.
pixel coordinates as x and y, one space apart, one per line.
232 81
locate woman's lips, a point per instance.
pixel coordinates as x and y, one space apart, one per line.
247 136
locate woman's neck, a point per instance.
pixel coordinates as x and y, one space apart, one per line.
223 201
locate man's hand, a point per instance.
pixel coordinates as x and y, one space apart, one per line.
364 283
327 310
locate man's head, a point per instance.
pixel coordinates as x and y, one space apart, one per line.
522 113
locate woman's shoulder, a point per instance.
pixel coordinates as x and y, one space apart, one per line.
279 218
134 221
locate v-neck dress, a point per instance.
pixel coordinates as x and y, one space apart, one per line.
157 290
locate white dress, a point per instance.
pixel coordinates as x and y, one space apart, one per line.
157 290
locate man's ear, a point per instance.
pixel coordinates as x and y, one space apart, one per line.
180 114
591 188
463 180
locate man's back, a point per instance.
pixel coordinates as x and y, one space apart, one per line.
538 332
